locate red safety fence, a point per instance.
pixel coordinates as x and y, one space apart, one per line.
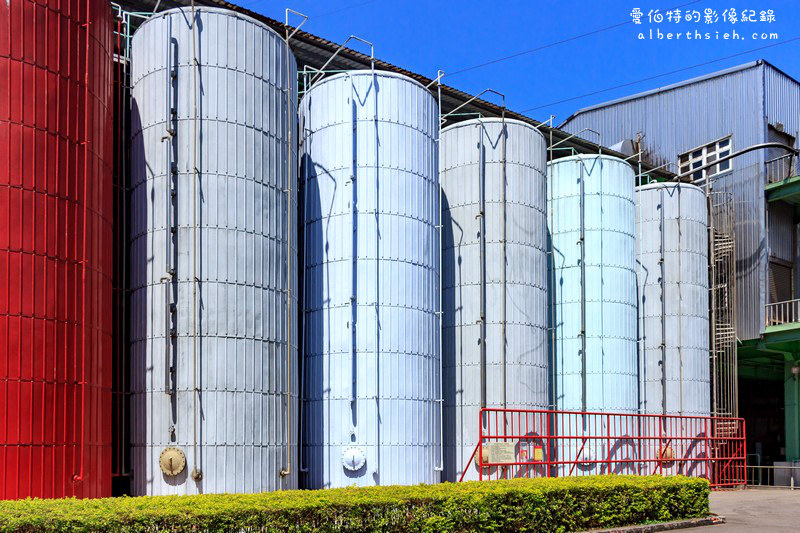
519 443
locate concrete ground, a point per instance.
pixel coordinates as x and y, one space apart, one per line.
762 510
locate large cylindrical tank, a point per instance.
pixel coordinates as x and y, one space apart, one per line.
593 225
371 246
594 274
473 154
672 263
55 249
55 260
213 248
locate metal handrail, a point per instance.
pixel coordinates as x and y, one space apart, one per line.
780 168
321 70
443 118
777 476
778 313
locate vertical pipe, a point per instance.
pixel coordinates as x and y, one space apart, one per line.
552 275
304 183
125 184
663 308
640 344
582 243
377 468
680 304
505 260
712 301
288 470
440 468
165 281
169 134
482 215
353 258
197 474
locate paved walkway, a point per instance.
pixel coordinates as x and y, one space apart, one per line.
762 510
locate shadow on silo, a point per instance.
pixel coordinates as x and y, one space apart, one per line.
451 396
314 301
143 260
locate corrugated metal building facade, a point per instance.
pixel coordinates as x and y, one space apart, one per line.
747 102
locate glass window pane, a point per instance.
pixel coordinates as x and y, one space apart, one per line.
725 165
697 154
724 143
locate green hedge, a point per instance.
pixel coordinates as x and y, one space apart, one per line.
565 504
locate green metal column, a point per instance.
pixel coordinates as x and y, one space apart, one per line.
791 388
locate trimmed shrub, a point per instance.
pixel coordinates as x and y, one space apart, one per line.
562 504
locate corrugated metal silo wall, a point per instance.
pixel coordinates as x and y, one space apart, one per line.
677 120
606 313
228 228
372 329
55 249
463 170
672 264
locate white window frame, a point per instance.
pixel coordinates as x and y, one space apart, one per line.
704 154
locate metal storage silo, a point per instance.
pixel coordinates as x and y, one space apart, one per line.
213 246
672 263
55 249
594 298
371 281
495 346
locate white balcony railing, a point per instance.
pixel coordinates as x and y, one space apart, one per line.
779 313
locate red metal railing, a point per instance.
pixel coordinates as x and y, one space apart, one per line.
516 443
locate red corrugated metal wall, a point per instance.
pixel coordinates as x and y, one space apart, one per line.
55 248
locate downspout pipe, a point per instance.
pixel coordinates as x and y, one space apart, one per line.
482 216
197 473
663 310
504 186
289 213
582 244
440 467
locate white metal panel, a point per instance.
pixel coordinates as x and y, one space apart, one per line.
526 280
609 282
672 274
232 336
371 281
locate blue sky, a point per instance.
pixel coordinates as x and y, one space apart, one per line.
449 35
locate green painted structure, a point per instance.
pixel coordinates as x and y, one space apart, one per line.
775 355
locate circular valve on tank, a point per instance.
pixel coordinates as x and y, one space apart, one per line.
172 461
353 459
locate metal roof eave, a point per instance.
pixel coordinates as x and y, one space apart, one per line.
658 90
